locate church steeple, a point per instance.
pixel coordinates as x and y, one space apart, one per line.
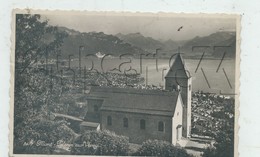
178 68
178 79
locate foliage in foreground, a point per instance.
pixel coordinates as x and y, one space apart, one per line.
160 148
41 136
100 143
35 90
224 146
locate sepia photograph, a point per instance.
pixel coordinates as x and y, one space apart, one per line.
124 84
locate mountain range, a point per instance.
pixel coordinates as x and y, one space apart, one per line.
148 43
214 45
96 42
135 43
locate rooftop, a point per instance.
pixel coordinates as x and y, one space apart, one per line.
178 68
145 101
67 116
89 124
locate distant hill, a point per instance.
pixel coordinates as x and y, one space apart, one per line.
167 48
137 39
69 31
171 45
95 42
216 39
136 44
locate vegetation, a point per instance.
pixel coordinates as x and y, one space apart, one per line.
35 89
216 119
160 148
224 146
100 143
38 93
41 136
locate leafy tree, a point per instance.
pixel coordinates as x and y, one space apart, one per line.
41 136
160 148
34 39
100 143
35 88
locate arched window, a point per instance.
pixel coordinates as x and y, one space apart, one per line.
173 87
160 126
95 108
109 120
142 124
125 121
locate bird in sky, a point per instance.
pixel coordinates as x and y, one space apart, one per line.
180 28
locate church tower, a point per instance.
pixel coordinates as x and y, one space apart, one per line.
178 78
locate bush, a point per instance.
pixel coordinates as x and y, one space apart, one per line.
160 148
40 136
209 152
100 143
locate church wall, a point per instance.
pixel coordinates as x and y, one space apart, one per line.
189 108
93 110
184 83
177 120
134 132
92 102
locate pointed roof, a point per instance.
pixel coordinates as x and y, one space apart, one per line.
178 68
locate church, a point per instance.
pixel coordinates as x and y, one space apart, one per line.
143 114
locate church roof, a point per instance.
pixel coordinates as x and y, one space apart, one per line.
136 100
89 124
178 68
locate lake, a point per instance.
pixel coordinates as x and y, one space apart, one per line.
223 80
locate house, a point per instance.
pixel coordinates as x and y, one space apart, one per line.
143 114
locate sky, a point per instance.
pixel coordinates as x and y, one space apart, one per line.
160 27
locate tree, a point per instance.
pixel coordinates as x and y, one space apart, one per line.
35 88
42 136
160 148
32 86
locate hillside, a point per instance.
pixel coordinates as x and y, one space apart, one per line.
169 47
95 42
147 43
137 39
215 39
136 43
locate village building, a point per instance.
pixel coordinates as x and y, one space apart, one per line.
143 114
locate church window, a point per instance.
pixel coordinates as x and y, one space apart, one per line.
173 87
109 120
160 126
142 124
95 108
189 87
125 121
